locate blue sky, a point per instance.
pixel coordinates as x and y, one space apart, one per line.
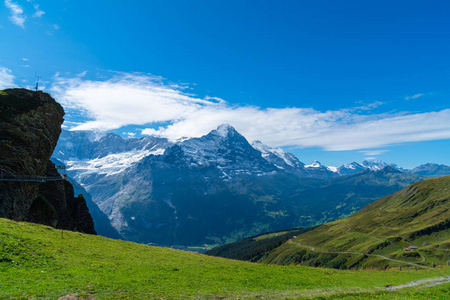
336 81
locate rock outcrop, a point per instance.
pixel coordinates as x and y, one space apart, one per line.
30 125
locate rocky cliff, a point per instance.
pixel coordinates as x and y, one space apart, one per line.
31 188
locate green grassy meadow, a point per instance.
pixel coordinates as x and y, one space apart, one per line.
39 262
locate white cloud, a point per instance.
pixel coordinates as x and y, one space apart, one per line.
129 134
373 152
126 99
141 99
414 96
39 13
56 26
6 78
17 15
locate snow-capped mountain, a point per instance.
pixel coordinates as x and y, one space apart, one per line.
376 165
212 188
350 168
431 169
226 150
317 170
95 153
92 153
280 158
97 144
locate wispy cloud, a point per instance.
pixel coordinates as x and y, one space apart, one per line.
129 134
6 78
17 15
373 152
39 12
414 96
142 99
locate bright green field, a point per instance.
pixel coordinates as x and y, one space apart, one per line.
37 263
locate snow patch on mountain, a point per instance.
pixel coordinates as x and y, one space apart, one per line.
110 164
315 164
333 169
266 151
224 129
352 166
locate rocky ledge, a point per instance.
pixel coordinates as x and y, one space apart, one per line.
30 125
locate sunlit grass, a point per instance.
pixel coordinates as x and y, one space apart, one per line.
41 262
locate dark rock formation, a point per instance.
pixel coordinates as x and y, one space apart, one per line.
30 125
71 214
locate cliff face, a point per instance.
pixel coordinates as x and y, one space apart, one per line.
30 125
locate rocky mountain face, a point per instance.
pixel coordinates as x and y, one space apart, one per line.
102 224
216 188
30 124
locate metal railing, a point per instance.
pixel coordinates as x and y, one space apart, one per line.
30 178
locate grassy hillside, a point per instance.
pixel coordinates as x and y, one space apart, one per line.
255 248
40 262
377 235
345 195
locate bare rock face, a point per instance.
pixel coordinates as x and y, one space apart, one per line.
56 205
30 125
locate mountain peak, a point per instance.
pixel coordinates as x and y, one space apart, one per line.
281 158
314 164
225 129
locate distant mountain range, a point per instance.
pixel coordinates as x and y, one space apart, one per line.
219 187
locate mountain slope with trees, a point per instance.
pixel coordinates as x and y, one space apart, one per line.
410 228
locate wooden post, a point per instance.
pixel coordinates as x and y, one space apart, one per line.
62 233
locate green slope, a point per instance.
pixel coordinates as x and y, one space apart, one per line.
345 195
377 235
374 237
40 262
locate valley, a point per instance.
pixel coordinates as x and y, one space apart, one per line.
406 230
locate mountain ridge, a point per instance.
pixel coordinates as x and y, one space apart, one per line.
212 189
103 144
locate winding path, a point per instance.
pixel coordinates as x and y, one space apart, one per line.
360 253
423 282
